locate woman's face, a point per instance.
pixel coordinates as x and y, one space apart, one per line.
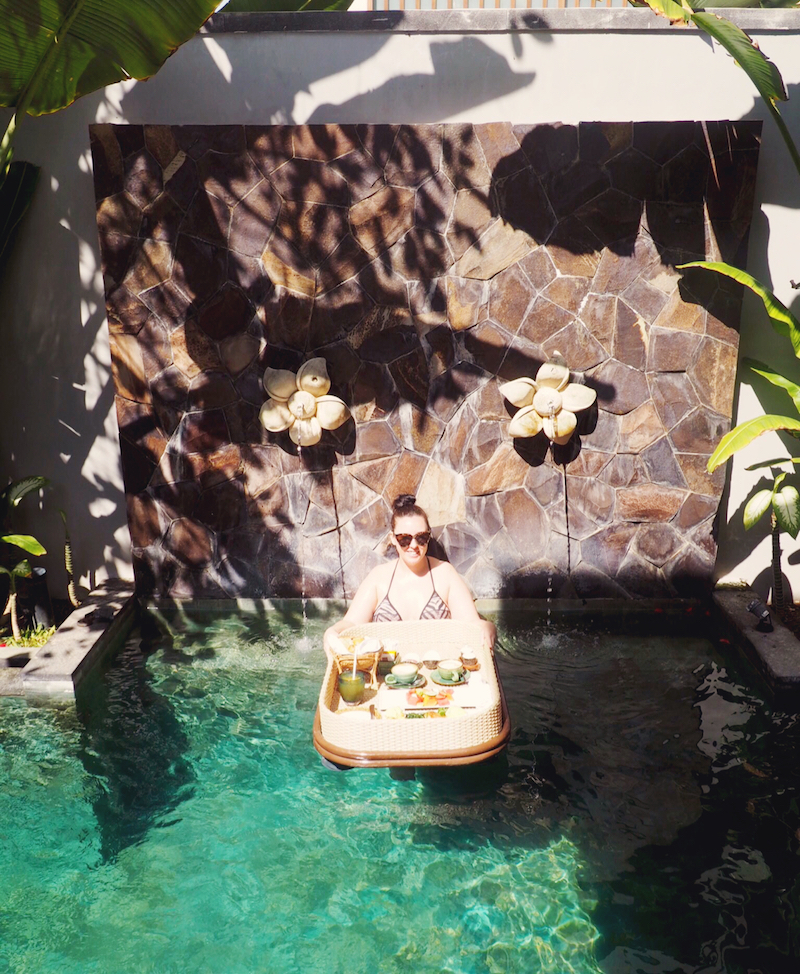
410 524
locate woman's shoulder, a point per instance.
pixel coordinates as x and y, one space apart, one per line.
442 568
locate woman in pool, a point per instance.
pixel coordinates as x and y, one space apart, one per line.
415 586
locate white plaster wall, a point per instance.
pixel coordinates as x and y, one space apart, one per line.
56 394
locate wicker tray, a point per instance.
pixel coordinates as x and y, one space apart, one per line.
360 737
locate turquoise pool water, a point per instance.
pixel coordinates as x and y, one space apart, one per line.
180 820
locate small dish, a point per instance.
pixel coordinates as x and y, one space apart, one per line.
449 683
395 684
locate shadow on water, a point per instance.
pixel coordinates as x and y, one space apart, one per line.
135 749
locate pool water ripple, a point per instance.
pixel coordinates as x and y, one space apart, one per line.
182 820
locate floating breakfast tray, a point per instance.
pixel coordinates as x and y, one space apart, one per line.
386 729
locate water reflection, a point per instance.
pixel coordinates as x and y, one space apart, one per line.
135 749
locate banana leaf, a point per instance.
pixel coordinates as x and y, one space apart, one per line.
54 51
783 321
25 541
16 193
777 380
744 434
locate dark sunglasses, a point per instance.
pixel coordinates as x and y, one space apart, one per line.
404 540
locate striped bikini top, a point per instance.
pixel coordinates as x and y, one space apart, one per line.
435 607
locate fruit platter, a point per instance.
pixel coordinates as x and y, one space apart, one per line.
410 694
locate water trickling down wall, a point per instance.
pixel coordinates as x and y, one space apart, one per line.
425 263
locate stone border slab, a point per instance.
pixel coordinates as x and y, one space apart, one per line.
81 641
775 654
484 21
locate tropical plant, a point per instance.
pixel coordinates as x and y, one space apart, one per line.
9 500
783 499
783 502
742 48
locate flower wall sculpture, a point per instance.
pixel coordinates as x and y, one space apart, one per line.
300 403
547 403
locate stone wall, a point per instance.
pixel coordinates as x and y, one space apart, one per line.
424 263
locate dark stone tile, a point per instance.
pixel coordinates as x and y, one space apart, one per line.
677 226
222 507
253 220
208 219
190 543
200 269
661 465
691 573
598 142
434 203
463 160
543 320
345 262
521 202
699 432
203 431
448 390
227 176
143 520
130 138
137 467
695 510
196 140
661 141
107 164
524 520
619 387
523 358
685 178
420 255
162 219
642 579
168 302
607 548
440 350
551 148
362 175
116 253
313 229
612 216
487 344
411 378
307 180
269 146
635 174
416 154
645 299
500 148
577 345
630 337
574 249
118 215
143 182
658 542
568 292
472 214
229 313
211 390
171 388
182 184
582 182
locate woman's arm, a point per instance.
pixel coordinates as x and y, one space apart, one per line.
361 608
462 606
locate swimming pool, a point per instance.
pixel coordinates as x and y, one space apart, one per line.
645 818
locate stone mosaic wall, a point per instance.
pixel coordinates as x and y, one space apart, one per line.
424 263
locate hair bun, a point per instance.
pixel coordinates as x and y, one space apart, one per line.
404 501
